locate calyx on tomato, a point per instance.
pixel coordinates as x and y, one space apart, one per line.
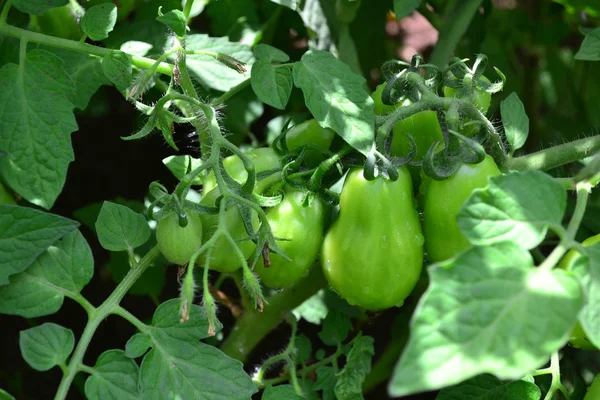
264 159
313 137
223 257
481 99
372 255
423 126
301 230
442 200
176 243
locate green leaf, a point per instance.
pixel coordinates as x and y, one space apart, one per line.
272 84
336 98
326 381
63 270
486 311
38 7
516 206
358 364
85 71
489 387
179 366
314 309
5 396
589 317
26 233
403 8
46 346
120 228
197 7
35 127
515 121
117 68
281 392
335 328
99 20
136 48
113 377
590 47
293 4
303 347
210 72
174 19
269 53
236 19
181 165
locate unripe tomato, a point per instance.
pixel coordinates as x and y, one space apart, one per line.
373 253
310 133
441 203
593 392
5 196
264 159
423 126
177 244
481 100
578 337
223 257
303 229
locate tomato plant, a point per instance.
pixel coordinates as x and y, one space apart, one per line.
301 230
178 243
373 253
248 143
442 200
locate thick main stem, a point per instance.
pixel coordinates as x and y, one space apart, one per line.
97 316
454 27
253 326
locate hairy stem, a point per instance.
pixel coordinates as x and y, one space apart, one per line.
97 316
142 62
556 156
253 326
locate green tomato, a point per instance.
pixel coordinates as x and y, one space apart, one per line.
441 203
223 257
5 196
423 126
578 337
482 101
310 133
593 392
264 159
373 253
60 22
303 229
177 244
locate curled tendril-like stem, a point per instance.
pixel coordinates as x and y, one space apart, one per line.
395 73
459 69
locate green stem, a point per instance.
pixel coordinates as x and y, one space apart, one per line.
225 96
132 319
253 326
454 27
556 156
97 316
142 62
5 10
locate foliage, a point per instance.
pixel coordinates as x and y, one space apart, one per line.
296 198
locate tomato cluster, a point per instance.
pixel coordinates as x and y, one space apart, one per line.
373 253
